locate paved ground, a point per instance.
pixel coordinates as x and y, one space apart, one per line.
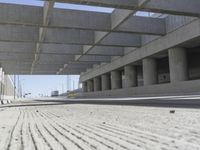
56 125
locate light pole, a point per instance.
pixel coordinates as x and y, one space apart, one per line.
73 85
14 86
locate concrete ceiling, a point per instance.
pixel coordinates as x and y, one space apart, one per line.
48 40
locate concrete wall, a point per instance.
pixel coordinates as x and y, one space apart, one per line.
9 88
6 86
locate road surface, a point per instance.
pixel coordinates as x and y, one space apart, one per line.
54 125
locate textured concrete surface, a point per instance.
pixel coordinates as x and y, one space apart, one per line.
55 125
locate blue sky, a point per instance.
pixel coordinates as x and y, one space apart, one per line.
58 5
44 84
26 2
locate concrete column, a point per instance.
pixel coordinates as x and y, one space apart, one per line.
116 79
97 84
130 76
84 86
105 82
178 64
150 75
90 87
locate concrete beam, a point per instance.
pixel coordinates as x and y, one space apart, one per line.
14 47
134 24
36 69
106 50
11 62
47 67
71 72
104 3
81 64
14 56
65 49
80 19
74 19
43 66
21 14
43 72
18 33
56 62
19 72
57 57
77 67
16 66
95 58
122 39
143 25
118 17
74 41
175 7
80 68
45 58
47 10
62 49
71 36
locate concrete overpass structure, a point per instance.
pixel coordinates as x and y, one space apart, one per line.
117 54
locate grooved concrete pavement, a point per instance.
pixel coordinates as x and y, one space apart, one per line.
57 126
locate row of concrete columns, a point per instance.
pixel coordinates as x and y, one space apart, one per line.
177 65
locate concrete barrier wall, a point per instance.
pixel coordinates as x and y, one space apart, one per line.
9 97
181 88
9 87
